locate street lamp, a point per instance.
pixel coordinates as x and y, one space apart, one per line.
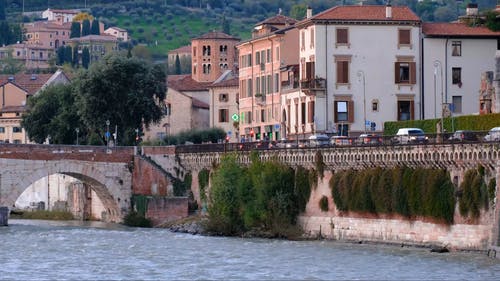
361 75
107 133
77 131
437 64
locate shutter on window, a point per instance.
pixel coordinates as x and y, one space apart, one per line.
396 73
308 70
350 112
413 73
310 112
340 73
345 66
412 110
335 112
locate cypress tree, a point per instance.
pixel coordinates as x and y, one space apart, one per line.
85 27
60 55
68 54
94 29
2 9
75 30
85 57
74 62
177 64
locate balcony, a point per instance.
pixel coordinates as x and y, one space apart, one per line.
288 85
313 86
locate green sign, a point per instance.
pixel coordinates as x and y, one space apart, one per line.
235 117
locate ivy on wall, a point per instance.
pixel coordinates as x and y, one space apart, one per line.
474 193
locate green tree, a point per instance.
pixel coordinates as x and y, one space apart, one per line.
94 29
298 11
226 25
85 27
177 64
53 112
60 55
75 30
2 10
68 54
10 65
74 61
128 92
85 57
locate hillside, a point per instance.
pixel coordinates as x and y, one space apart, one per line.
164 25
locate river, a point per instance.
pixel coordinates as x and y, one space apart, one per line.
75 250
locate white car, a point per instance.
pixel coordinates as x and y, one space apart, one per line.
319 140
493 135
410 135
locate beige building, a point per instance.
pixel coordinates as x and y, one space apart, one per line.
184 54
31 56
262 62
224 112
212 54
98 45
49 34
59 15
15 90
120 33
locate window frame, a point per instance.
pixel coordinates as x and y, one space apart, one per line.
456 45
338 32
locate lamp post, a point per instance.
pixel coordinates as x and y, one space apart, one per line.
361 75
107 133
77 131
437 64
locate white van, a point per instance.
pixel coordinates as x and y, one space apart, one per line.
410 135
319 140
493 135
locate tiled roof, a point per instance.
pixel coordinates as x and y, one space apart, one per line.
456 29
199 104
31 83
186 83
228 79
118 28
27 46
183 49
216 35
92 37
64 11
12 108
366 13
37 25
278 20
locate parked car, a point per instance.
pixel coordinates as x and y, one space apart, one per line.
410 135
370 139
493 135
340 141
319 140
463 136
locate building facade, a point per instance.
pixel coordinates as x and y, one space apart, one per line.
98 45
224 110
361 65
49 34
120 33
59 15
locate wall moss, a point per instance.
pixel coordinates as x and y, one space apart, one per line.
474 194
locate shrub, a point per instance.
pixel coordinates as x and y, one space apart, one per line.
135 219
474 193
323 203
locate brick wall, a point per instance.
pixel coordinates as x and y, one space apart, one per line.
164 209
148 179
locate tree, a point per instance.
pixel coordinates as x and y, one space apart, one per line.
75 29
85 57
53 112
83 16
2 10
68 54
94 29
177 64
129 92
142 52
85 27
298 11
74 61
226 27
60 55
10 65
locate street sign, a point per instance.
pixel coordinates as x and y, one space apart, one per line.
107 134
276 127
229 133
368 123
235 117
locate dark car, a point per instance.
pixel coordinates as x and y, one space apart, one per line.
462 136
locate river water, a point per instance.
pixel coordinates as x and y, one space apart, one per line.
76 250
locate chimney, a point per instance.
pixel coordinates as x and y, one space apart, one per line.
471 9
388 10
309 12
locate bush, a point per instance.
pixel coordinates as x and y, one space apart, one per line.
323 203
135 219
474 194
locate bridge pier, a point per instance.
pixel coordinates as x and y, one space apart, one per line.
4 216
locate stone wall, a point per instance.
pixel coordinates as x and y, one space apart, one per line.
356 227
165 209
147 179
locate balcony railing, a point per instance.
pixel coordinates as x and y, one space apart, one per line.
313 84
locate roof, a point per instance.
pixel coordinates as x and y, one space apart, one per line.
199 104
31 83
456 30
93 37
183 49
278 20
37 25
186 83
368 13
216 35
117 28
12 108
25 45
227 79
63 11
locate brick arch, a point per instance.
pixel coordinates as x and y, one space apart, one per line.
110 190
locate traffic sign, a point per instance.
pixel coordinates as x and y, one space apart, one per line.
368 123
229 133
235 117
276 127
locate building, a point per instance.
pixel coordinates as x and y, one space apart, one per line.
32 56
454 57
360 63
212 53
184 54
98 45
49 34
120 33
224 112
15 90
59 15
274 44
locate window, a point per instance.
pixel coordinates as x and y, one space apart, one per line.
268 55
249 87
168 109
375 105
456 48
456 74
456 106
303 40
404 37
405 73
302 113
344 111
312 38
223 115
342 36
405 110
17 129
2 130
262 115
17 142
194 51
342 72
223 97
257 58
310 112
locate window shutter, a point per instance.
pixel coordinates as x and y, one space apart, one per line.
412 109
340 72
396 73
413 73
345 78
227 115
350 112
308 70
335 112
404 37
311 112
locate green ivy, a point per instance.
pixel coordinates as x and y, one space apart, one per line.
203 178
323 203
474 193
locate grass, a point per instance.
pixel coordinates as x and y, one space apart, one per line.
44 215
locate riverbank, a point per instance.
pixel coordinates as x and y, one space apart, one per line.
41 215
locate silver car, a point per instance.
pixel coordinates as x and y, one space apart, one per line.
493 135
